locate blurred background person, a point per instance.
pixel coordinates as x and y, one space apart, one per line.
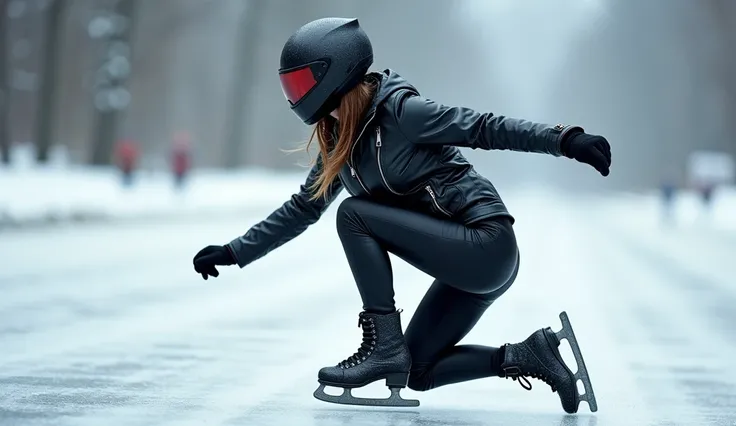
126 158
181 158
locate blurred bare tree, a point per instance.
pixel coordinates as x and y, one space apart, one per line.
24 23
48 93
111 95
242 80
724 16
4 90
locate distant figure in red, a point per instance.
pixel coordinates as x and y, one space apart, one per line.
126 158
181 160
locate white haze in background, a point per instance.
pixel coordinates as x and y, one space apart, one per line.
527 42
525 46
639 72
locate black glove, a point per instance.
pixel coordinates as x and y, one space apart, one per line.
208 257
589 149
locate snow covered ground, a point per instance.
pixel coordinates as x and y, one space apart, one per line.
61 194
647 210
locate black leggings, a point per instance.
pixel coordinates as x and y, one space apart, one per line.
472 267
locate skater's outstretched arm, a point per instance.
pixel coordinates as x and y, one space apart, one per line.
423 121
286 222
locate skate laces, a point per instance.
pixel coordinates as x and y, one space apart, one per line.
366 346
515 374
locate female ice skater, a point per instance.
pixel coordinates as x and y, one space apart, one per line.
413 194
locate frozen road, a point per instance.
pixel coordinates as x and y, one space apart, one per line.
108 325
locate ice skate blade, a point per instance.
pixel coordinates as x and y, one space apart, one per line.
582 373
347 398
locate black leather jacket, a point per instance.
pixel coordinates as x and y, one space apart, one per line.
407 156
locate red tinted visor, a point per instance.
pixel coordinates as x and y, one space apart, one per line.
297 82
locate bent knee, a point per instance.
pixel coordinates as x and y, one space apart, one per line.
348 214
352 205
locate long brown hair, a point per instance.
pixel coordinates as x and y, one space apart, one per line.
335 154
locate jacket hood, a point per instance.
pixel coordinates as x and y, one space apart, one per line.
390 82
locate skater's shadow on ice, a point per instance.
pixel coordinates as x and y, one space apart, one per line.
437 417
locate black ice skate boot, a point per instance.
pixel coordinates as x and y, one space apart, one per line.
539 357
383 354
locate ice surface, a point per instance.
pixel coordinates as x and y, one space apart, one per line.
108 325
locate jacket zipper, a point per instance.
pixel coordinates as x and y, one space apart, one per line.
350 164
428 188
434 199
379 143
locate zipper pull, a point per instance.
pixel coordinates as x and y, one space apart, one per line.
378 137
429 190
352 171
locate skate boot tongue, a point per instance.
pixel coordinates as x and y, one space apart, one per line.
367 346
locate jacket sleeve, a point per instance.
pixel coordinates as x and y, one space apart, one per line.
424 121
285 223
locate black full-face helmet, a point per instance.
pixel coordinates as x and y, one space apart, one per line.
321 62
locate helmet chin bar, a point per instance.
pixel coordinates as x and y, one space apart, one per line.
331 104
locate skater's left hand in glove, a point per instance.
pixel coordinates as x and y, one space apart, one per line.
589 149
208 257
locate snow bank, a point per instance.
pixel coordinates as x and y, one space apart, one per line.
687 209
54 194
